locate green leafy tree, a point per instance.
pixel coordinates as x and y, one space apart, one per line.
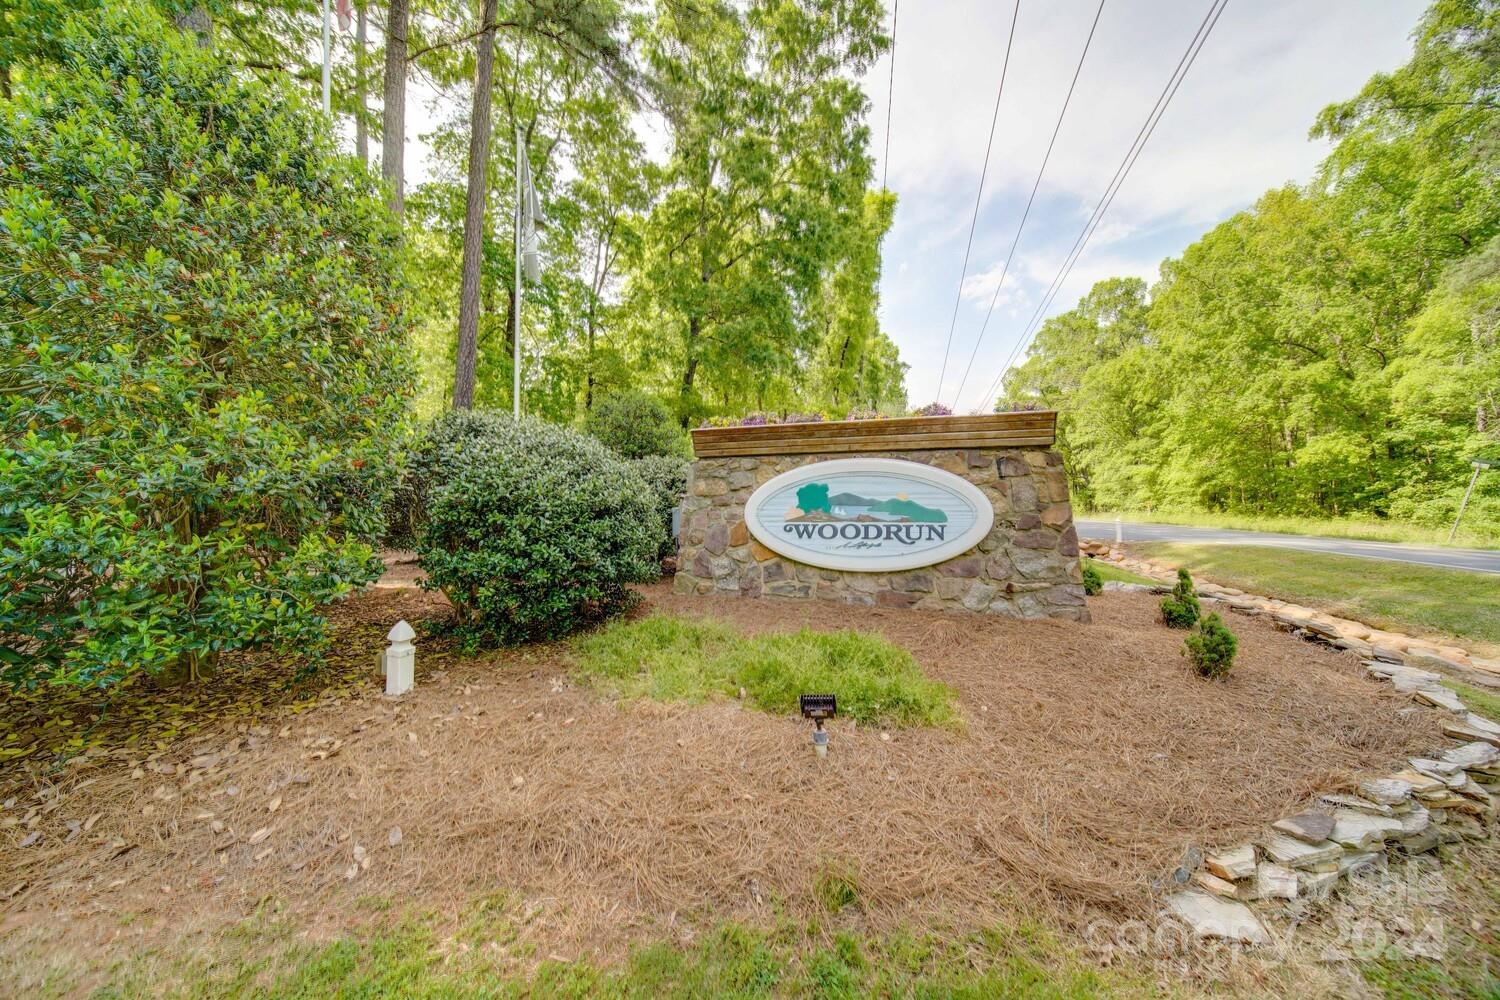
635 425
205 360
766 179
855 364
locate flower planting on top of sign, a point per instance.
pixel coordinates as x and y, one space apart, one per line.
868 514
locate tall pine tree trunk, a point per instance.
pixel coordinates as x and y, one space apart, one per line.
393 116
197 20
479 156
361 85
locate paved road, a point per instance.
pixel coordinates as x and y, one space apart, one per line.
1478 560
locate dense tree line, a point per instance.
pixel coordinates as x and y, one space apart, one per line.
1333 350
732 266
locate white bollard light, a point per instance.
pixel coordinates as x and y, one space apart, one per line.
400 659
1119 531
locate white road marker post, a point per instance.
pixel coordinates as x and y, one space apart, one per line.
1119 532
400 660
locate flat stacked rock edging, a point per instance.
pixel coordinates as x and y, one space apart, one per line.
1447 798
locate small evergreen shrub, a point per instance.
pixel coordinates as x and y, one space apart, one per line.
1180 609
667 478
1211 647
531 529
636 425
1093 583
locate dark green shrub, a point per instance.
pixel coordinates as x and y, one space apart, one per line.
1093 583
428 461
1211 647
205 362
533 529
667 477
635 425
1180 609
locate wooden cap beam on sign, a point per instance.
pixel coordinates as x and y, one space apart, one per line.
1023 429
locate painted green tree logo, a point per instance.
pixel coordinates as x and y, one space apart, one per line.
814 496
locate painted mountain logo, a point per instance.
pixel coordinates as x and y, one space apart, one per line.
859 519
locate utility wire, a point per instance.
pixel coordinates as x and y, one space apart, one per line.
890 98
1189 56
978 196
1026 214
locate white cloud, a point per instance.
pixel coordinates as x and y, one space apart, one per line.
981 287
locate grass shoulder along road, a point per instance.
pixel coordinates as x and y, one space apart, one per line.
1109 571
1478 535
1403 597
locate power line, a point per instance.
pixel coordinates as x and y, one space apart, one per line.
890 98
1158 111
1026 214
979 196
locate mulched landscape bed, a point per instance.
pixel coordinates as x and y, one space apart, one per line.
1090 761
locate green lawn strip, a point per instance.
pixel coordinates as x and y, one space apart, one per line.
1480 701
1477 535
409 959
665 658
1109 571
1402 597
1462 927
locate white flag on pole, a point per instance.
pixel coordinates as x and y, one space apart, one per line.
531 215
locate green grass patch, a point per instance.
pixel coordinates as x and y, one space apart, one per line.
837 886
1109 571
1463 927
1399 596
1476 535
1479 700
665 658
411 959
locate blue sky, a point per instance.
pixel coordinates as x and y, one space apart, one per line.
1237 127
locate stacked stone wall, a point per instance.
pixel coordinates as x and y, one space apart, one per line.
1026 567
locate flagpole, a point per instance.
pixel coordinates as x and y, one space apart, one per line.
327 54
515 387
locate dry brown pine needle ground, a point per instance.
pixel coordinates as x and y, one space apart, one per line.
1090 762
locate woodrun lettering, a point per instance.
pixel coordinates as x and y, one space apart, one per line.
907 534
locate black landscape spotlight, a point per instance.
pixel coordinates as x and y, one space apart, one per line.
818 707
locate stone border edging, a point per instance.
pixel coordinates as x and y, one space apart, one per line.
1342 633
1447 798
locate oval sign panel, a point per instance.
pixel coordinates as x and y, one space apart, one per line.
869 515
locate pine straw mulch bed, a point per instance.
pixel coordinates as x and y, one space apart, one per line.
1091 760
